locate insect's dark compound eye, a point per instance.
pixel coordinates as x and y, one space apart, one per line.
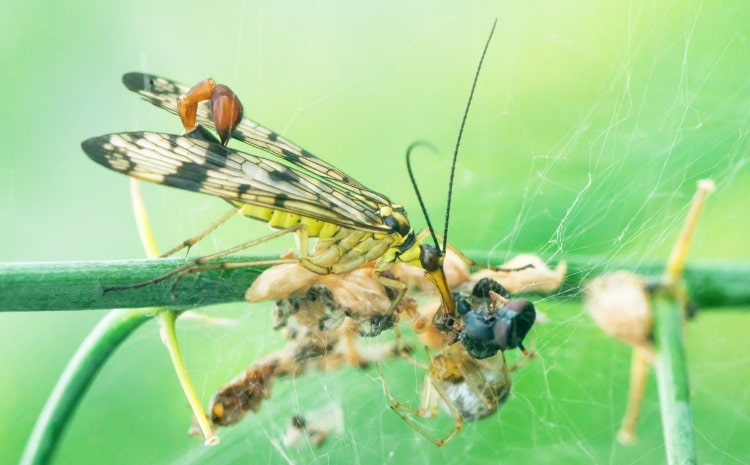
485 332
522 316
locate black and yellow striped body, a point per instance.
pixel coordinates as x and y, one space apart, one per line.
339 249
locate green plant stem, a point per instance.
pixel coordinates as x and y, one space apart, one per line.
75 380
668 304
78 285
672 379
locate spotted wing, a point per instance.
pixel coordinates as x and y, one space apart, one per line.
195 163
164 93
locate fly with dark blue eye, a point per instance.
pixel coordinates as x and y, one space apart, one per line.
492 322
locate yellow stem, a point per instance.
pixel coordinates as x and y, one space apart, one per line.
638 374
142 221
676 261
167 318
169 337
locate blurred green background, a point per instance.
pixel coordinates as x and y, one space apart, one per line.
590 126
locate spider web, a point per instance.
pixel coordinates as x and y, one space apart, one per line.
590 127
597 157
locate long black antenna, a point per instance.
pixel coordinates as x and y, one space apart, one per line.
416 188
458 140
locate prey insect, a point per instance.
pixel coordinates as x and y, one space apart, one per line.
466 388
296 192
470 381
492 322
321 322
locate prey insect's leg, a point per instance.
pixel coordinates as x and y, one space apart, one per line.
204 263
476 380
471 263
459 421
428 402
527 357
188 243
405 351
348 340
428 408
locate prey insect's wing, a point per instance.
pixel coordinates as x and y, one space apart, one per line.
197 162
164 93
